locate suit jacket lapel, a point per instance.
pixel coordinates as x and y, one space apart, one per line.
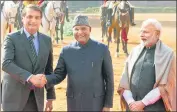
26 44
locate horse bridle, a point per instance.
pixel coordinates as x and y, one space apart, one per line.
56 8
54 11
123 11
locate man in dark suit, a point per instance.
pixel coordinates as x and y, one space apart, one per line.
88 65
25 54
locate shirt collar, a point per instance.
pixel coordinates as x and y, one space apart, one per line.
28 34
85 45
152 47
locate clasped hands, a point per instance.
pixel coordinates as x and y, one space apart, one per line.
38 80
137 106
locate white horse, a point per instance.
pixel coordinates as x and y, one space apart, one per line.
8 14
51 11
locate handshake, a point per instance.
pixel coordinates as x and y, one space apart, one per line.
38 80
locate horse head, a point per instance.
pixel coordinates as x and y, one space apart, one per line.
58 7
10 11
123 7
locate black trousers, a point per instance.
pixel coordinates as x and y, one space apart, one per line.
31 104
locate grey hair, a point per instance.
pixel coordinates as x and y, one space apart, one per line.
155 23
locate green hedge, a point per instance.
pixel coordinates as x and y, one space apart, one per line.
155 9
92 10
138 10
68 27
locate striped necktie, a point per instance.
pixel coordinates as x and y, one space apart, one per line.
33 50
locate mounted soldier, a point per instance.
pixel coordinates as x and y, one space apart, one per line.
61 19
111 4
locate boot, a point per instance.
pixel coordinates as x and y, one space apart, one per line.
109 22
132 22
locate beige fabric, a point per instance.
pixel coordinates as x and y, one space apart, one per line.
165 68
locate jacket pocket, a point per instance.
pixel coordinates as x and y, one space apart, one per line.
70 94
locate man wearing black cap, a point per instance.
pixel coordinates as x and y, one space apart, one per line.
88 65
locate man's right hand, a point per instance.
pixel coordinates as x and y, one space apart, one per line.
38 80
137 106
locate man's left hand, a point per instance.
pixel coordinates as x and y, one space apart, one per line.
49 106
106 109
137 106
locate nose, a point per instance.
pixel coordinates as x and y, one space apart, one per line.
141 34
80 32
33 20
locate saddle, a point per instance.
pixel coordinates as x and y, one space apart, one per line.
114 7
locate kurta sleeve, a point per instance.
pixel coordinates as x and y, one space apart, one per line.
59 72
107 71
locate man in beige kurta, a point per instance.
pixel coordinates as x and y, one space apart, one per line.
164 63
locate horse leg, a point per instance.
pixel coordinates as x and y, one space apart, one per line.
115 35
56 29
109 37
12 27
102 34
125 49
106 31
118 41
117 49
51 35
124 43
61 31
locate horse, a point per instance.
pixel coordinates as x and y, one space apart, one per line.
124 15
103 18
113 25
60 20
8 14
120 24
51 11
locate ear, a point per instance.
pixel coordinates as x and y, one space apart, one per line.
90 29
23 18
158 33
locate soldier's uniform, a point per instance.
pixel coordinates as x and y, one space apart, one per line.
111 10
